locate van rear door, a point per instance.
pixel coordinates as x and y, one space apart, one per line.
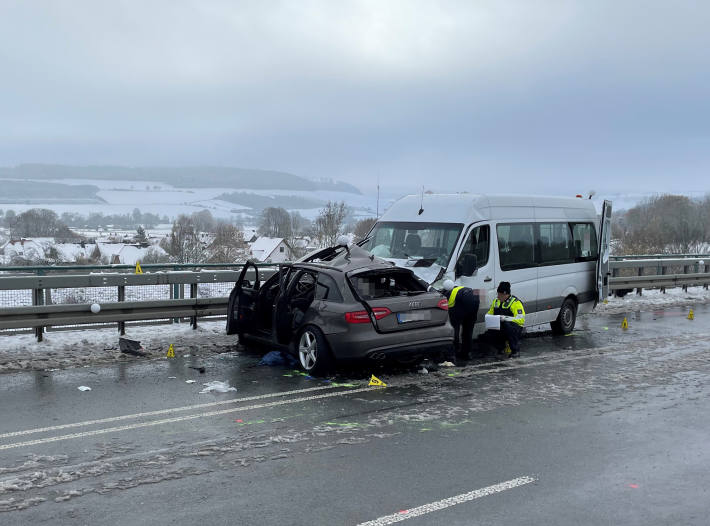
396 300
604 249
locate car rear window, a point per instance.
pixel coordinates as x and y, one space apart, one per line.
373 285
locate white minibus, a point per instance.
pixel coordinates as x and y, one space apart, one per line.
554 251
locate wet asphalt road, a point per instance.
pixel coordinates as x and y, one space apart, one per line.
600 427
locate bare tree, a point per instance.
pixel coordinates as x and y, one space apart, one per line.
183 244
228 246
362 227
275 222
329 222
203 221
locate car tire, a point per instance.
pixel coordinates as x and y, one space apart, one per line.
564 324
313 352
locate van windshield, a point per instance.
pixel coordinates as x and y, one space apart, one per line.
423 244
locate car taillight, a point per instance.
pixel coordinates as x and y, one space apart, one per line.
362 316
381 312
443 304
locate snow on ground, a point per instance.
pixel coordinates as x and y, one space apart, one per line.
165 200
652 299
61 349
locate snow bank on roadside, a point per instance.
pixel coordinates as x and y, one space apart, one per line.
652 299
82 347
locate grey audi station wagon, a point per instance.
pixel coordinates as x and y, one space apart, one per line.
338 304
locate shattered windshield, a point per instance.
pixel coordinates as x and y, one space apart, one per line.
421 244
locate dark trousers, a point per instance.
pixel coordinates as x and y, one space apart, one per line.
510 332
463 319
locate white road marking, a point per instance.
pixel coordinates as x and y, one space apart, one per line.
161 412
446 503
139 425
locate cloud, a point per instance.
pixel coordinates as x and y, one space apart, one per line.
546 94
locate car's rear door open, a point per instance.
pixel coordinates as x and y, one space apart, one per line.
395 300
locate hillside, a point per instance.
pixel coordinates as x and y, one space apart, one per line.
184 177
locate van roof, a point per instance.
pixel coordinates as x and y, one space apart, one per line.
470 208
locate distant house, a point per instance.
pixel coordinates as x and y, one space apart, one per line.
270 250
250 234
26 249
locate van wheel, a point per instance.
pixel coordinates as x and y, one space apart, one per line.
564 324
313 352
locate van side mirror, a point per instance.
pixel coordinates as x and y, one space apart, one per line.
467 265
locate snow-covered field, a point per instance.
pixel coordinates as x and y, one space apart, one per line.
163 199
83 347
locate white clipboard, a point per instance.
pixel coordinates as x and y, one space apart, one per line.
493 322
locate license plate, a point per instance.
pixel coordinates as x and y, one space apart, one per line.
406 317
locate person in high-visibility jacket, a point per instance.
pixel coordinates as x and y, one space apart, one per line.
463 310
511 330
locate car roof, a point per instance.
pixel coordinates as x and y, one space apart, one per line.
354 258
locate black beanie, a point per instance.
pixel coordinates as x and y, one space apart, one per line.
504 287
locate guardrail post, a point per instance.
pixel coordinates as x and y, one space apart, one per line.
639 290
122 297
663 271
37 297
193 295
685 271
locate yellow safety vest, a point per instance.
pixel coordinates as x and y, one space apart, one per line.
452 298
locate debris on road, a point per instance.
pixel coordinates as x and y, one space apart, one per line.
447 364
131 347
84 388
423 370
199 368
217 387
189 381
275 358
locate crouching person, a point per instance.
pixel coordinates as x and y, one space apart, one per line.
511 330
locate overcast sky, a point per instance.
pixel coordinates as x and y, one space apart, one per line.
530 96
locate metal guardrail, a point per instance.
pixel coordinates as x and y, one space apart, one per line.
43 314
691 270
628 273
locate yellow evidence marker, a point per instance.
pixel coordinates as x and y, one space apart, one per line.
691 316
171 352
139 270
624 324
376 381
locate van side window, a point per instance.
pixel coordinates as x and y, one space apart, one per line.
516 247
585 241
477 244
555 244
327 289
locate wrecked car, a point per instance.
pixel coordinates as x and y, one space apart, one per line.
338 304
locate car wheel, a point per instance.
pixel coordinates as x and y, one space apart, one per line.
564 324
313 352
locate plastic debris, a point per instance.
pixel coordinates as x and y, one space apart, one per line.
189 381
217 387
337 384
200 369
131 347
423 370
447 364
84 388
172 377
275 358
